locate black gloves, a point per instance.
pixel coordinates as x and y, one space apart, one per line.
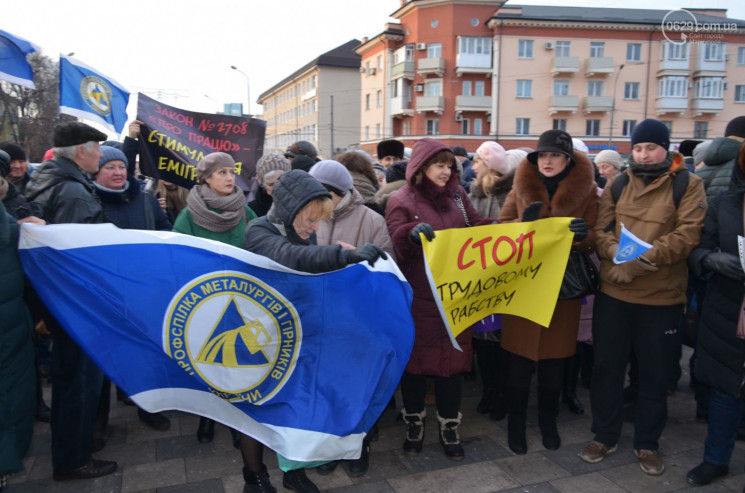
367 252
532 212
425 228
726 264
579 227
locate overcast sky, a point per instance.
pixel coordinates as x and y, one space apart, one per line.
180 51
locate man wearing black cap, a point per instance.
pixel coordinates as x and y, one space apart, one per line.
302 148
63 187
390 151
720 157
468 174
18 173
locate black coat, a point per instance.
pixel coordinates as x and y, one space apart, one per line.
134 209
721 354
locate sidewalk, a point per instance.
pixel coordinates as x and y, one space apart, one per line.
174 461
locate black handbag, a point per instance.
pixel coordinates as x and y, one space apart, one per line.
581 277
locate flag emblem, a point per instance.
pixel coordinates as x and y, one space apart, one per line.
234 332
96 93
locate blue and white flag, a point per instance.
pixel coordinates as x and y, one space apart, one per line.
305 363
13 64
629 246
87 94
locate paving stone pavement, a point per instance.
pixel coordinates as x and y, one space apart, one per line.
174 462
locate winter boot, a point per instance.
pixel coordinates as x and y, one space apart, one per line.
414 431
548 409
257 482
449 436
206 430
569 391
517 407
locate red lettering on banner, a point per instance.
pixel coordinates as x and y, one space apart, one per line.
175 116
516 247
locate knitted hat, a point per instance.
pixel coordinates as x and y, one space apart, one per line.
379 168
4 163
494 156
390 147
552 141
49 154
460 151
611 157
302 162
302 147
15 151
579 145
332 173
76 133
700 151
651 130
111 154
514 158
273 161
211 163
736 127
687 146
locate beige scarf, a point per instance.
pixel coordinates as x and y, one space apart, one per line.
202 199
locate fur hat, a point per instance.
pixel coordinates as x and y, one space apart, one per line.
302 147
736 128
579 145
651 130
211 163
460 151
302 162
273 161
552 141
111 154
514 158
4 163
76 133
687 146
611 157
15 151
493 155
390 147
333 174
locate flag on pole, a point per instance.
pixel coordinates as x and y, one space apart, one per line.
13 64
88 94
305 363
630 246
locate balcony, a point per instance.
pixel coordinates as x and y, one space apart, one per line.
435 104
703 67
403 70
597 103
565 65
401 107
473 103
595 66
563 103
429 66
703 106
673 67
467 63
668 104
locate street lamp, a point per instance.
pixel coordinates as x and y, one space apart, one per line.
248 88
213 100
613 108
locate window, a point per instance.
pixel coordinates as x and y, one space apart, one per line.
709 87
313 82
466 91
406 128
673 87
741 56
404 54
524 89
597 50
561 87
469 45
739 94
595 88
478 88
464 126
313 107
434 50
673 51
634 52
631 90
628 127
700 130
525 48
592 128
562 48
367 101
522 126
433 126
380 62
379 98
377 130
560 124
367 132
669 125
714 52
478 128
433 88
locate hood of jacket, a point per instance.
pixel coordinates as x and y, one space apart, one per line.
292 191
423 150
722 150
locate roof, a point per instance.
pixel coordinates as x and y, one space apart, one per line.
342 56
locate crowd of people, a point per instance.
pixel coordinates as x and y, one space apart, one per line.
318 215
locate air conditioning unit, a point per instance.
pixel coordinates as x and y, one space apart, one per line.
458 117
371 71
419 88
549 45
488 118
421 46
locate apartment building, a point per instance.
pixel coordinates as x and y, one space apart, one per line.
464 72
319 103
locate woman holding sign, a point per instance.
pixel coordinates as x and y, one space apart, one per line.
432 199
563 181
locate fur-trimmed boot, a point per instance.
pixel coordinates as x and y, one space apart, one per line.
414 431
449 436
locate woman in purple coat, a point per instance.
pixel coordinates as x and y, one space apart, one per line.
432 199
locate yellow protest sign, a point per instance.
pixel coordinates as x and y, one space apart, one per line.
513 268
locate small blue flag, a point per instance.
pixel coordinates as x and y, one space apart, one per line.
304 363
629 246
13 64
87 94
